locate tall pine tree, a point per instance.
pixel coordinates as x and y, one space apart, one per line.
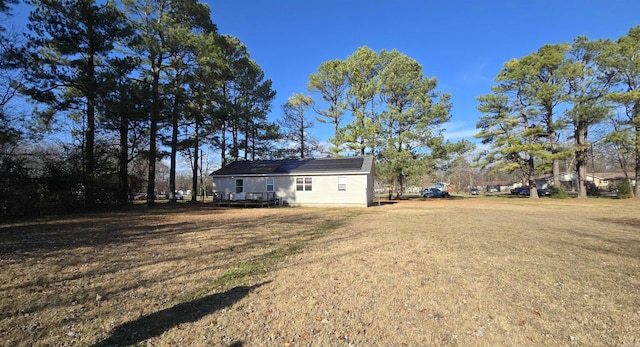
72 51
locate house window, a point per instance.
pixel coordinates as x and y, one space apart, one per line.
342 184
239 186
269 181
303 184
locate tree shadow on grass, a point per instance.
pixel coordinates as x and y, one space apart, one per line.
154 324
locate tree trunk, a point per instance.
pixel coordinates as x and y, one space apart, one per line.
202 186
123 161
153 149
253 143
174 149
194 177
302 139
581 158
636 190
533 190
362 136
556 173
555 162
223 130
89 174
235 152
223 144
246 142
153 134
551 133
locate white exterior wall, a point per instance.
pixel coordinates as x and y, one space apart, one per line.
371 191
359 190
324 191
250 184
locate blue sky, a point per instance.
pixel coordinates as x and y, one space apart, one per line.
462 43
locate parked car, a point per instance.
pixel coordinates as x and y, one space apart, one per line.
520 191
139 196
474 191
434 193
177 195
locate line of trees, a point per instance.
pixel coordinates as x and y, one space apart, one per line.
136 81
547 105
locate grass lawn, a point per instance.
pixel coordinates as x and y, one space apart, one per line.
481 271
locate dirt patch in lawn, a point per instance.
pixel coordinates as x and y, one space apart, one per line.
457 272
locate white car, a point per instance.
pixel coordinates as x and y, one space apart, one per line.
177 195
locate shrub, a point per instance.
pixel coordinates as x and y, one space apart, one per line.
559 192
625 190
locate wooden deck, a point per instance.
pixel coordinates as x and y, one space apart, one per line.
247 199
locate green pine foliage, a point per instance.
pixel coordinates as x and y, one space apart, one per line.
559 192
625 190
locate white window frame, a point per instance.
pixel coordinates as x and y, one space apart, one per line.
269 182
241 186
342 184
304 184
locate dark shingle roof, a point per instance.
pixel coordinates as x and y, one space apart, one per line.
289 166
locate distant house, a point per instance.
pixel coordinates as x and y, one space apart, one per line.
303 182
497 186
609 180
600 180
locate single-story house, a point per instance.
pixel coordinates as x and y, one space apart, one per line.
299 182
609 180
497 186
601 180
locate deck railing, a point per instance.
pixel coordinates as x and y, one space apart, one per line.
245 199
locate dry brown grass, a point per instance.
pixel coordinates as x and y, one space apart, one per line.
480 271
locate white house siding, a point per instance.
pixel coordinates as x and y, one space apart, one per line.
324 192
371 193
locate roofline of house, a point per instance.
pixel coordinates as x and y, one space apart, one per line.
297 173
366 168
600 175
